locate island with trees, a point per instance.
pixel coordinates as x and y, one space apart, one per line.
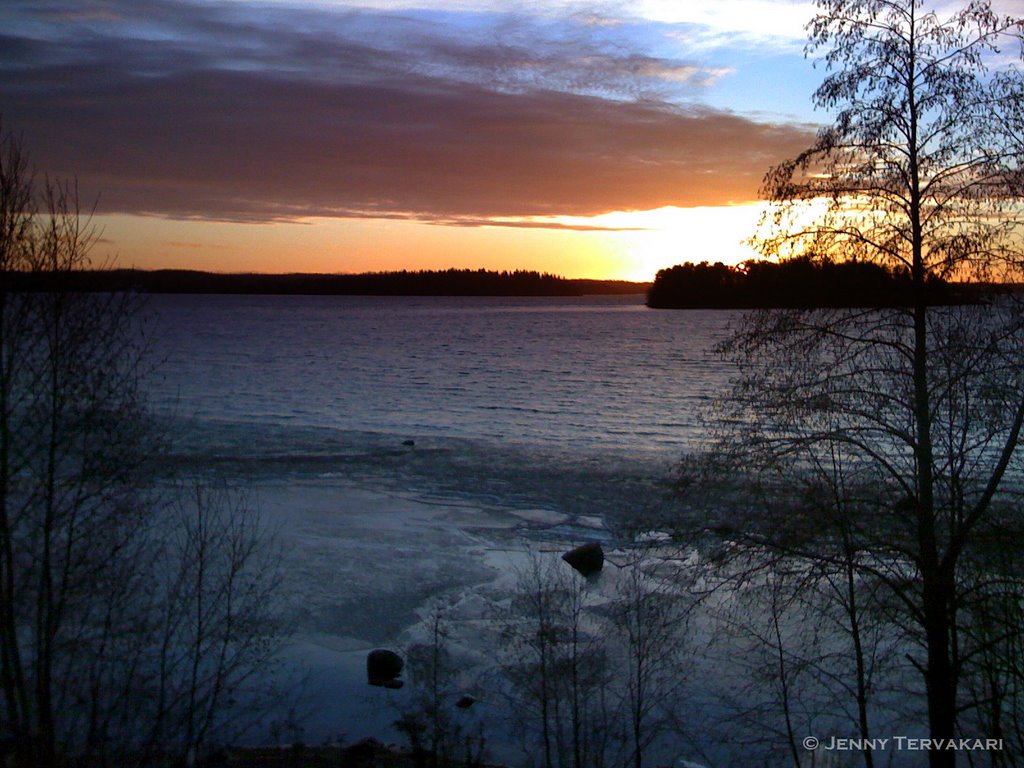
798 283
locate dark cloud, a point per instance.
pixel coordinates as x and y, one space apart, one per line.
252 113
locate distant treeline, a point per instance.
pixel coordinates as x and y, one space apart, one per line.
449 282
794 283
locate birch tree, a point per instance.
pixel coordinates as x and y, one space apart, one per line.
921 407
129 618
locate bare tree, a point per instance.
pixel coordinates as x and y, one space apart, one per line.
558 667
216 621
597 670
650 617
800 647
428 718
125 627
920 173
70 430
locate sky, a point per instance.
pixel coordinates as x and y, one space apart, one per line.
597 139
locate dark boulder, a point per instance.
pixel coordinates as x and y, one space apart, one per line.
465 702
383 667
588 559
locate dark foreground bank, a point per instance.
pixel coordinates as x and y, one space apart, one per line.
362 754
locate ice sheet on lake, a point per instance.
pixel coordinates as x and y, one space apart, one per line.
359 563
541 517
360 571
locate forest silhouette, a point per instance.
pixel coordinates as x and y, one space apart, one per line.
794 283
448 282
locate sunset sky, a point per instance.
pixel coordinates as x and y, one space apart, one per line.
589 139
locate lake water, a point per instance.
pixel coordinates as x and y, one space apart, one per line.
504 398
413 452
413 449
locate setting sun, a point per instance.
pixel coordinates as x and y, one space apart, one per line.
652 240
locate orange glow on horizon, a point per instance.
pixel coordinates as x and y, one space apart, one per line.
619 245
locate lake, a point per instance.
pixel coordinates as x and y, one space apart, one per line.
414 449
501 396
420 452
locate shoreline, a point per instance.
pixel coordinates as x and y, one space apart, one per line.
361 570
